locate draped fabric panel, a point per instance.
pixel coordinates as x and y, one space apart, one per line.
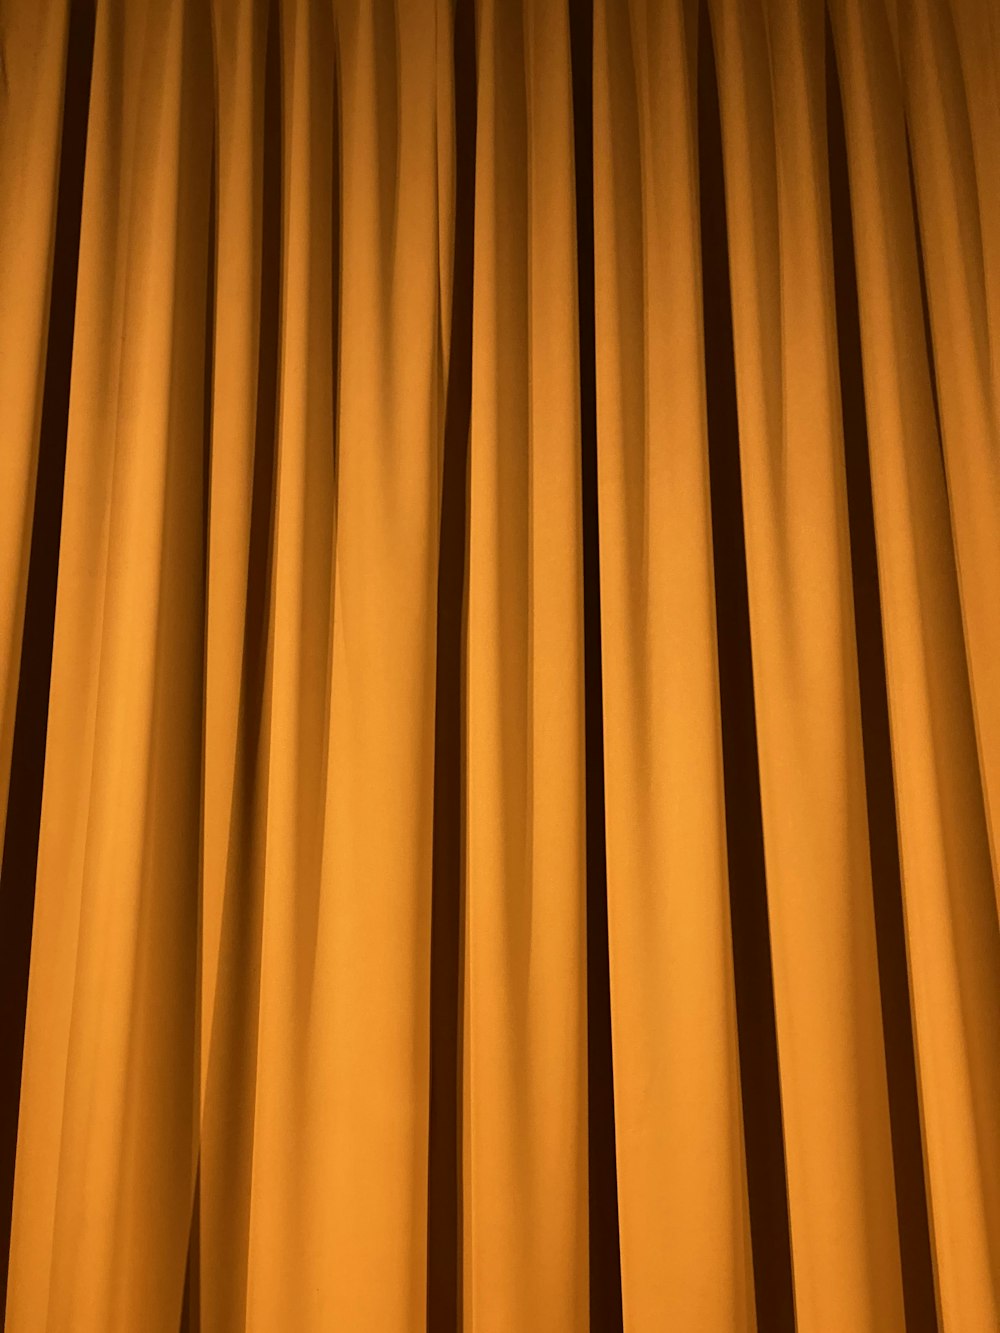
500 665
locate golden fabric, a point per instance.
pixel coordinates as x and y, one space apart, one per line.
523 601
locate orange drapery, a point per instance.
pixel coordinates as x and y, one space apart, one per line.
500 664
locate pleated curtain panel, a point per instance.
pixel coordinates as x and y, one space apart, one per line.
500 665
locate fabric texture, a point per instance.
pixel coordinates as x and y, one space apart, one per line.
500 665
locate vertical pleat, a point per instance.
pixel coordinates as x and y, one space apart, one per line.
953 248
364 1198
108 1082
681 1182
834 1098
39 261
33 55
295 695
525 1166
977 36
238 543
456 135
75 678
951 921
240 33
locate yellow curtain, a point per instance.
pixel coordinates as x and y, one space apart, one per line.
500 665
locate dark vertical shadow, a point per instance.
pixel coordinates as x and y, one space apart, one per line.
605 1247
757 1035
24 802
444 1166
335 263
921 271
904 1108
191 1301
386 57
228 1132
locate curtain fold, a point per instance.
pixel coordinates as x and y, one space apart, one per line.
943 833
499 688
672 996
